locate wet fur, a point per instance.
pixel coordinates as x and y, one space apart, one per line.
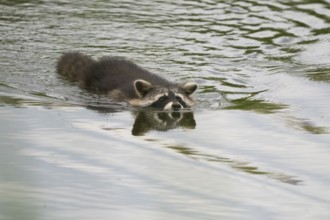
119 78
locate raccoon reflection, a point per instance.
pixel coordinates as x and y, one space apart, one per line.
123 80
162 121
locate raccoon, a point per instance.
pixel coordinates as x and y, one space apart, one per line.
123 80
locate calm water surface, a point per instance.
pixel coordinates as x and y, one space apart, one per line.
256 147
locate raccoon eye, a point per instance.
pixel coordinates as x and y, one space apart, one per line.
178 98
162 99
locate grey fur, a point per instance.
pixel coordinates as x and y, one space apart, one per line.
122 80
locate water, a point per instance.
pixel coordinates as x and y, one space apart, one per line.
256 147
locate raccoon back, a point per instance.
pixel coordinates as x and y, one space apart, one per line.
118 73
110 75
74 66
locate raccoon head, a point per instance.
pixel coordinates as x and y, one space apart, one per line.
173 97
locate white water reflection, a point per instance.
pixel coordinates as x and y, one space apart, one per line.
77 165
316 54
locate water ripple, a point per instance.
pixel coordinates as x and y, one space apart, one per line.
263 70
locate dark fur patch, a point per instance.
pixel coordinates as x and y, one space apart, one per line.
74 65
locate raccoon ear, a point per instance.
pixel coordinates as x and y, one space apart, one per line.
189 87
142 87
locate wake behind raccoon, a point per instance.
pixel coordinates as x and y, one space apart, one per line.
124 80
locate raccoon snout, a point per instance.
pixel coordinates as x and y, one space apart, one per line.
176 107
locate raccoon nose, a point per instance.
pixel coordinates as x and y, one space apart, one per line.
176 107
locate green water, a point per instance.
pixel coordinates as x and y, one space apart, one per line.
257 146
